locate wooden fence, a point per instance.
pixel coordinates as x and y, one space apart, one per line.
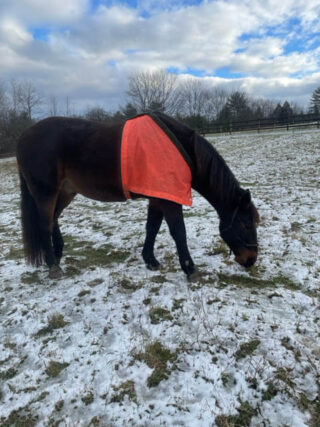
261 125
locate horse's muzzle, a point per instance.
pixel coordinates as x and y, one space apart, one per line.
246 258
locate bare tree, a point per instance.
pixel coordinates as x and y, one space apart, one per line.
97 113
14 95
53 105
193 96
24 97
69 108
152 90
219 97
197 98
262 107
3 98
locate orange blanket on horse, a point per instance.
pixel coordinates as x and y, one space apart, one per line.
151 163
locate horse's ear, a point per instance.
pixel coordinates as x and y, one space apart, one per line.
245 199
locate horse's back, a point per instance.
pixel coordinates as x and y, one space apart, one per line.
83 153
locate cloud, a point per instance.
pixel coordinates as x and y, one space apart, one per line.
88 52
35 12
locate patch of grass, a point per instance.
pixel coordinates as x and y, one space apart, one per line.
2 362
220 248
295 226
21 417
156 356
95 282
54 368
15 253
254 282
284 375
30 278
156 377
315 413
95 421
155 290
159 314
228 379
84 292
243 418
178 304
190 213
169 258
8 374
270 392
242 280
90 257
56 321
11 345
128 286
41 397
59 405
158 279
88 398
201 281
247 348
311 219
285 341
125 389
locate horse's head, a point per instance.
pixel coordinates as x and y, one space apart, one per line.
238 229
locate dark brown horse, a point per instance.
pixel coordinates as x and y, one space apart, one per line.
60 157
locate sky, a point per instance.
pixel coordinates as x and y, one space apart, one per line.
85 49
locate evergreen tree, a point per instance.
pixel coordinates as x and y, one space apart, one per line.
128 111
238 106
224 119
283 113
315 102
286 112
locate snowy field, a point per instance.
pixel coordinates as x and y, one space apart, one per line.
113 344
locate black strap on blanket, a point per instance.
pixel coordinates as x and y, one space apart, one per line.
171 136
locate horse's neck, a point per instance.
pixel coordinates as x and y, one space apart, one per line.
212 177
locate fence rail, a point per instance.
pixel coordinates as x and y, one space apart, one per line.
301 121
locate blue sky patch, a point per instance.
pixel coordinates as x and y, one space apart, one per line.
226 73
189 70
112 63
40 33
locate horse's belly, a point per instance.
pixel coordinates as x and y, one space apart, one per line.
92 190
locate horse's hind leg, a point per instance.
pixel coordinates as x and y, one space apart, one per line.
154 220
46 225
58 242
64 199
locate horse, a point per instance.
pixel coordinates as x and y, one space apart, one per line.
59 157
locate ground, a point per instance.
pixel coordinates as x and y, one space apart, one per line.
113 344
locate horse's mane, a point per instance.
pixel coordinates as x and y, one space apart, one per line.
212 177
213 170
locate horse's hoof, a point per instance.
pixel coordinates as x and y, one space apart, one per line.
153 267
55 272
195 276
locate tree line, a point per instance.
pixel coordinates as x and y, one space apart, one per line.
191 100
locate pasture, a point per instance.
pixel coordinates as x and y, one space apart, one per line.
114 344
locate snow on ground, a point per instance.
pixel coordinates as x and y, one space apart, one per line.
114 344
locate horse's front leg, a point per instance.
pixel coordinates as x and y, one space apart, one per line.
174 218
154 220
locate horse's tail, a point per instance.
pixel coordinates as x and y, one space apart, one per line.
31 231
